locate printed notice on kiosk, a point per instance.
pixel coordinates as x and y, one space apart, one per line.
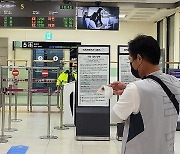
93 72
125 74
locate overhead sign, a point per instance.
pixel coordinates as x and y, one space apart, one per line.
45 73
15 72
49 45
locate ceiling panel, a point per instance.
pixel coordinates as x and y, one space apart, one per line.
139 15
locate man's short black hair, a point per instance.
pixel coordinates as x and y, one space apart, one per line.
147 47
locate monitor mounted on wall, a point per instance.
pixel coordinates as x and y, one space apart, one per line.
98 18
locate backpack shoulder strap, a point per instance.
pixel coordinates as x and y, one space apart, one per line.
167 90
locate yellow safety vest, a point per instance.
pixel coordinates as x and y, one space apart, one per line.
63 78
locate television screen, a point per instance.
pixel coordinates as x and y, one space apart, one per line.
101 18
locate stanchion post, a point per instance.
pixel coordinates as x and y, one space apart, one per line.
58 98
30 100
3 138
15 97
1 86
0 100
29 82
9 129
49 118
30 93
61 127
49 110
58 72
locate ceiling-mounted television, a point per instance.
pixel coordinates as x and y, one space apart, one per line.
98 18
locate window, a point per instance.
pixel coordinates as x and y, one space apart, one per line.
170 40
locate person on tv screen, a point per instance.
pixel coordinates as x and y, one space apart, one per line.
95 20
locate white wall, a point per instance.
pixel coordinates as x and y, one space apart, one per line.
128 30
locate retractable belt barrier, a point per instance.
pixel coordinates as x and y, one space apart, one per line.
3 138
34 80
17 72
25 90
14 89
29 103
10 89
56 91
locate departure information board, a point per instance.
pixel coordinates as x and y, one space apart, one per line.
37 22
37 15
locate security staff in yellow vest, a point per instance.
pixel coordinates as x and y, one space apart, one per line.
66 77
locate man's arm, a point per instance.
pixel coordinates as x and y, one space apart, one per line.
128 102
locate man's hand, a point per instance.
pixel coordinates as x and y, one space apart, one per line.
118 87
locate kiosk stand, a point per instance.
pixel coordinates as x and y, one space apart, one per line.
92 109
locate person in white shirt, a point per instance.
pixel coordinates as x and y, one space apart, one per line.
150 116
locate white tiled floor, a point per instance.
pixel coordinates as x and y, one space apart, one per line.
34 125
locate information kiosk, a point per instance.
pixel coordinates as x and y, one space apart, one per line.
92 109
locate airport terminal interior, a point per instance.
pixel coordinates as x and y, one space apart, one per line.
56 54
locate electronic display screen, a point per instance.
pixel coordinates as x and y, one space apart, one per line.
37 15
36 22
98 18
